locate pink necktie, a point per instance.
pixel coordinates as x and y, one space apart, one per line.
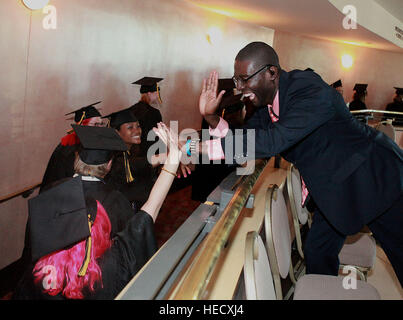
304 192
272 116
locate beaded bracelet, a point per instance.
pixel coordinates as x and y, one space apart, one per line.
174 174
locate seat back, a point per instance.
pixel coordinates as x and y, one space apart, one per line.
387 128
294 189
300 215
278 238
257 272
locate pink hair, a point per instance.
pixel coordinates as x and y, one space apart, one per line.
58 271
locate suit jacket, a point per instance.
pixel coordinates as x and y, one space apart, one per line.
353 172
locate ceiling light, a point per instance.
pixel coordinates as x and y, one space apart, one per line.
35 4
347 61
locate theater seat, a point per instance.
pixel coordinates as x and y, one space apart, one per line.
307 287
359 250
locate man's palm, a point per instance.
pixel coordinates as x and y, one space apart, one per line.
209 100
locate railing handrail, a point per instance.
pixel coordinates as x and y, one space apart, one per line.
27 190
376 111
192 284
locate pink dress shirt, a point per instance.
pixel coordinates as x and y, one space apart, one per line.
215 151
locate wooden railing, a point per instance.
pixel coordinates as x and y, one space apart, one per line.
191 284
25 193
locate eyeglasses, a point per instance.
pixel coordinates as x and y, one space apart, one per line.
245 80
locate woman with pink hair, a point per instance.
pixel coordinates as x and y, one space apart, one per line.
87 263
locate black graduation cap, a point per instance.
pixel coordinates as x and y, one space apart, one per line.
226 84
360 87
98 143
148 84
336 84
58 218
231 104
120 117
85 112
399 91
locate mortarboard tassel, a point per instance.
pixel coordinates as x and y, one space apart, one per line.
158 91
79 122
222 115
87 258
82 118
129 177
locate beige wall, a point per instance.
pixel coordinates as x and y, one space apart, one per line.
98 48
382 70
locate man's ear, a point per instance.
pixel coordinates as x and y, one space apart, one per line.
273 71
109 166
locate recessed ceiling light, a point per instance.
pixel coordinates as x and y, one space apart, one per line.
35 4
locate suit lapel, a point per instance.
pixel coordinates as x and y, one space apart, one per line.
283 84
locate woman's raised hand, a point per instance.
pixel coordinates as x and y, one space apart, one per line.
171 141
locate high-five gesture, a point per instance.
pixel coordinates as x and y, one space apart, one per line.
209 100
171 141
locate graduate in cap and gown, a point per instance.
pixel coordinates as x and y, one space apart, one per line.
397 106
91 158
61 162
76 255
147 109
131 172
338 86
360 92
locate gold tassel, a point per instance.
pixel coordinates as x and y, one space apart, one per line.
129 177
159 96
222 114
79 122
87 258
82 118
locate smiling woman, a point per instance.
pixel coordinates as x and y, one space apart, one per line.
130 133
131 173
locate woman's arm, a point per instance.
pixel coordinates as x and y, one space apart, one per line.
168 172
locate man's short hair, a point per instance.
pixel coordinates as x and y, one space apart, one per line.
259 52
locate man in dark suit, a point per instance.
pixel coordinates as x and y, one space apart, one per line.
353 172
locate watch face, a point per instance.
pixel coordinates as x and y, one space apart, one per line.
35 4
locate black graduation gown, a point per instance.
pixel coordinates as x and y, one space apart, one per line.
136 192
397 107
131 249
357 105
116 205
148 117
60 165
207 175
